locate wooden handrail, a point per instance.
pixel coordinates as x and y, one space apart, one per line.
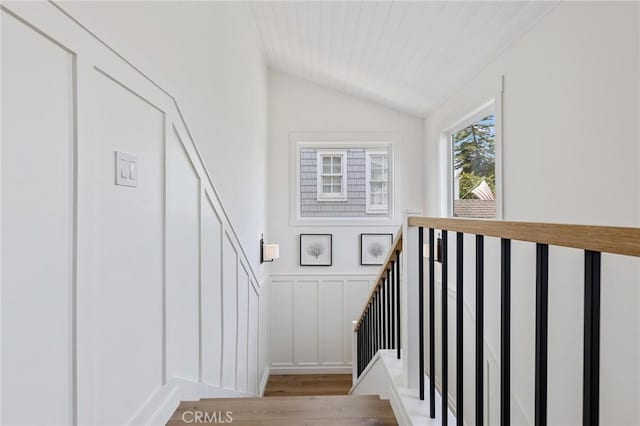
606 239
395 247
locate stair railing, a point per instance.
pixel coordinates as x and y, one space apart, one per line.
374 329
378 326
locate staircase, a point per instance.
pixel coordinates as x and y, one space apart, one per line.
332 410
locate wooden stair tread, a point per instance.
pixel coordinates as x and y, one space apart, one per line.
355 421
296 410
308 384
331 398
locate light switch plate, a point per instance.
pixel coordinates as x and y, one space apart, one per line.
126 169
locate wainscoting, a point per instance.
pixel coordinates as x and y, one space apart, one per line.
311 315
117 301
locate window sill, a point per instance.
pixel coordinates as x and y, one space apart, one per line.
385 221
377 212
332 200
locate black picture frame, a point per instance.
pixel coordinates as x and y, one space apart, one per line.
364 262
304 260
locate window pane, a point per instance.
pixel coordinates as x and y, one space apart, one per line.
379 167
337 164
337 188
378 187
326 189
378 194
474 169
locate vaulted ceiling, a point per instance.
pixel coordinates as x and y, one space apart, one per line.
408 55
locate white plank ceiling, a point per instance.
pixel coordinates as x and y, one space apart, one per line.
408 55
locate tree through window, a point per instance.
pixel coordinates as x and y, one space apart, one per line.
474 169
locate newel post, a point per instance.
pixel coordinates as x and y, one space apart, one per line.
354 353
409 302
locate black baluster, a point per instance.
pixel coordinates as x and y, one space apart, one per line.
421 311
370 331
366 338
375 324
397 280
369 334
591 364
392 311
380 322
505 332
358 348
364 344
432 328
542 315
381 312
459 328
479 329
388 310
445 322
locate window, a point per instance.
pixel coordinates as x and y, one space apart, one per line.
474 169
332 169
377 182
342 182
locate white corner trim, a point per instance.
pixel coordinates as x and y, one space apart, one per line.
264 381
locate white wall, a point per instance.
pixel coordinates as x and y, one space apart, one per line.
112 297
211 62
208 56
298 106
571 146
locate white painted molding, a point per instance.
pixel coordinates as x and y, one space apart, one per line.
264 381
307 275
318 338
94 56
27 13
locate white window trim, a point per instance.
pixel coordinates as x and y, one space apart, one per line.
339 196
376 209
445 154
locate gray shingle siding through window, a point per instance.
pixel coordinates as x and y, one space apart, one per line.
354 206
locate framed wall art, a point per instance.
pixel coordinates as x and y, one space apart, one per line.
316 249
374 248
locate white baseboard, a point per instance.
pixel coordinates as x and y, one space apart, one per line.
160 406
310 369
264 381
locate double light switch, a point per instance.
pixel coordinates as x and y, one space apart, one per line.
126 169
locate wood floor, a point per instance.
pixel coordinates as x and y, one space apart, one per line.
308 385
292 400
